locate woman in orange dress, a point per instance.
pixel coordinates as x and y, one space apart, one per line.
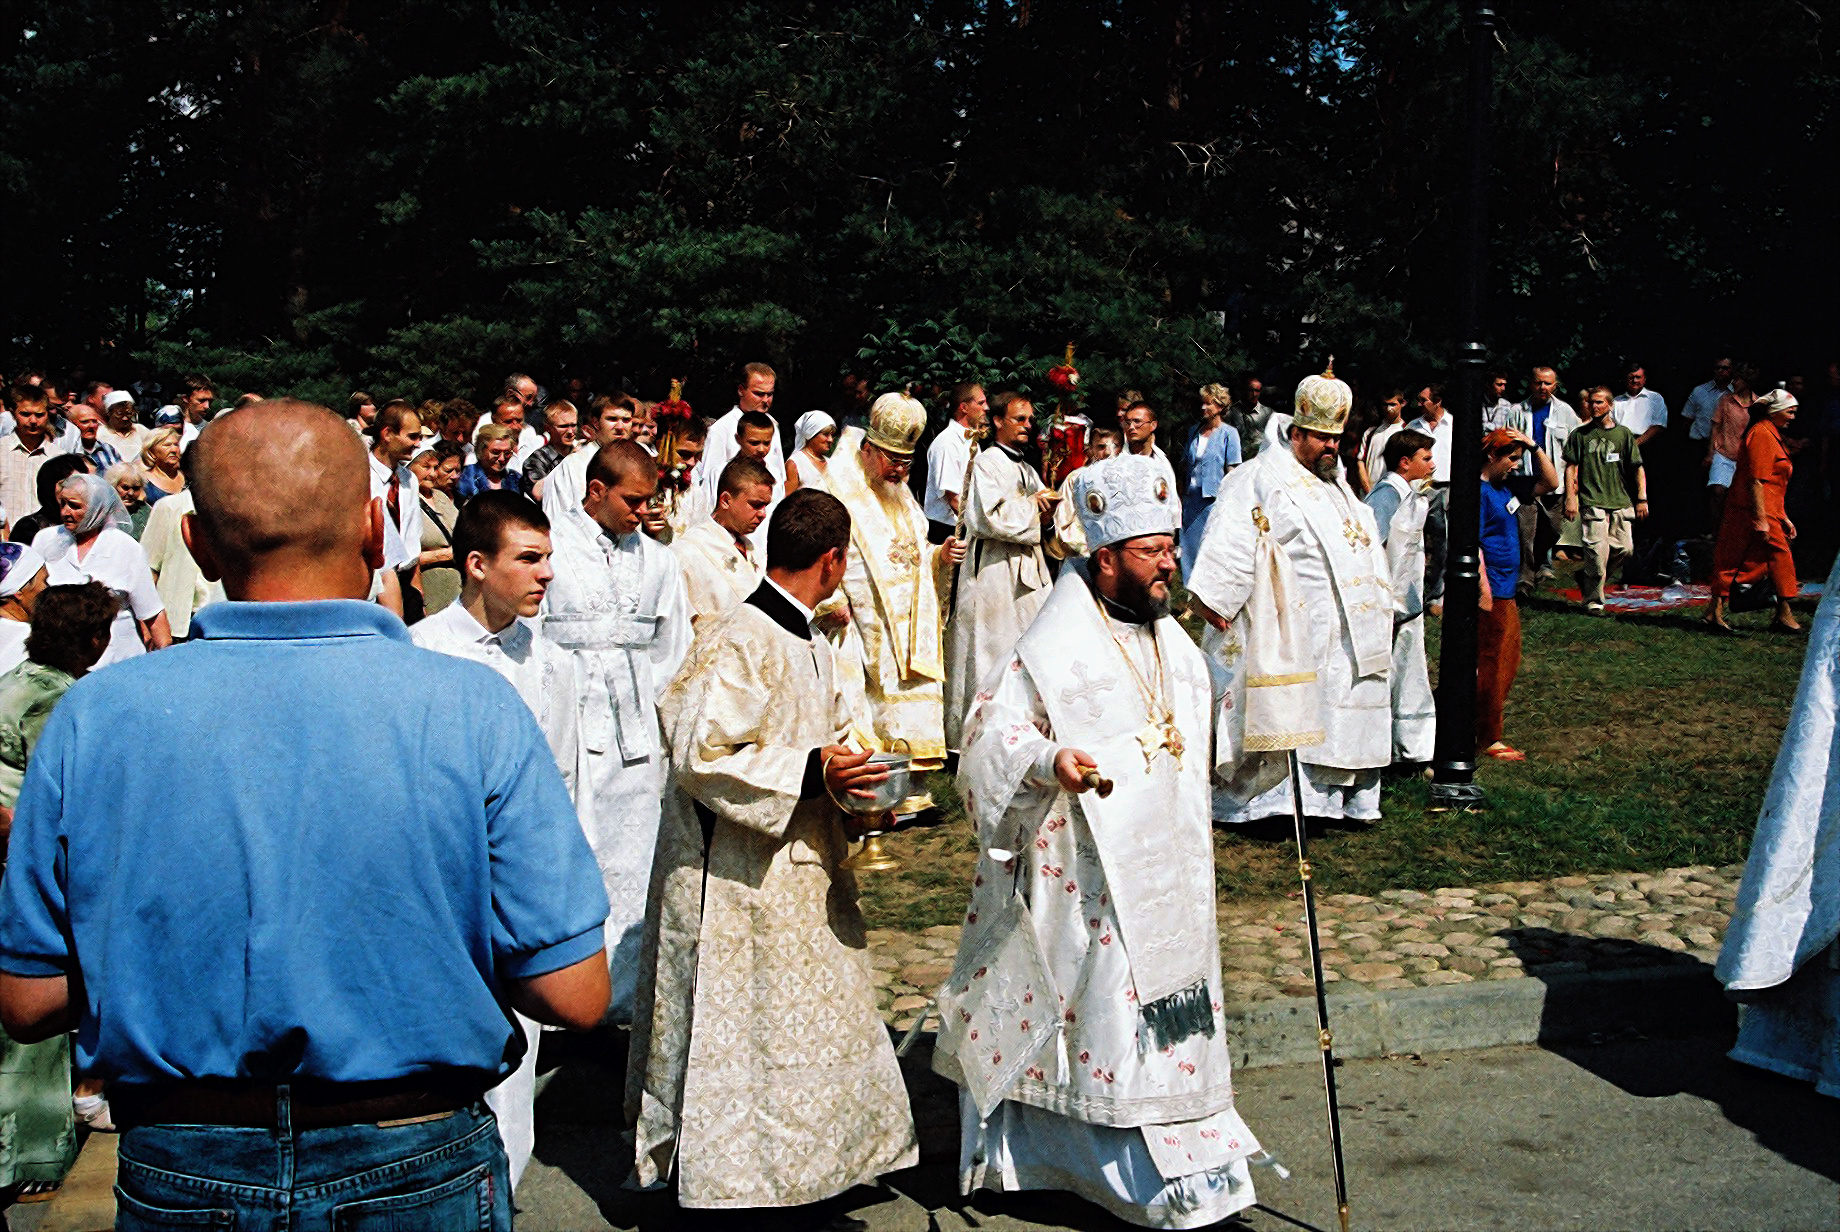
1755 533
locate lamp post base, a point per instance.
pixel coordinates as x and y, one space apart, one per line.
1458 797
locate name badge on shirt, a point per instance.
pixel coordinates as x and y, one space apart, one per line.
1514 504
1612 456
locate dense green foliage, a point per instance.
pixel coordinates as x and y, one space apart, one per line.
419 195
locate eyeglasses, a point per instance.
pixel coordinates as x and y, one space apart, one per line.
1149 553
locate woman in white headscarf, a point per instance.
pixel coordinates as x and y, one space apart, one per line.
812 438
94 544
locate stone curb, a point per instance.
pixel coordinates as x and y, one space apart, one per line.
1560 1008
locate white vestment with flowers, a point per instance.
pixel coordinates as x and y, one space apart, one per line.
1345 596
619 610
1082 1019
718 576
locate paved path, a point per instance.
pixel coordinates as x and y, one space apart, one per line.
1412 938
1633 1134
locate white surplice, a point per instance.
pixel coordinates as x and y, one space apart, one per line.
1004 578
721 447
760 1068
519 653
1082 1020
1780 956
1345 596
1414 707
619 611
718 575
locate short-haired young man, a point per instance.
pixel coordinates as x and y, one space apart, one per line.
1603 461
501 545
755 438
753 932
721 568
560 420
193 405
394 435
754 391
24 450
1401 499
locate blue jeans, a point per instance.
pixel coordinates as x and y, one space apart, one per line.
439 1175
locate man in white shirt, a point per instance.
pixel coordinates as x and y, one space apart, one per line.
395 433
721 567
1640 409
501 544
1138 422
1436 424
754 393
509 409
948 457
193 405
1703 401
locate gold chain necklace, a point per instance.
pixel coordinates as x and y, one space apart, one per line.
1160 732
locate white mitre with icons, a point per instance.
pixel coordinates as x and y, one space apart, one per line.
1123 497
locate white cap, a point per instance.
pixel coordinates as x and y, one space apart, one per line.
1123 497
116 398
19 564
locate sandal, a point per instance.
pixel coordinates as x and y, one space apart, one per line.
37 1191
1504 752
1718 627
1777 626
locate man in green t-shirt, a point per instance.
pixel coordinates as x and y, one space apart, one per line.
1607 489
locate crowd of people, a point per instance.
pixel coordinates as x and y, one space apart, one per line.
691 655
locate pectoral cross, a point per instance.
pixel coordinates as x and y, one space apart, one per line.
1161 734
1087 691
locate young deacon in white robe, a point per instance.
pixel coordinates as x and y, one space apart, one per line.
1009 517
618 610
502 546
1400 500
760 1068
1345 593
891 591
720 565
1781 959
564 487
754 392
1082 1020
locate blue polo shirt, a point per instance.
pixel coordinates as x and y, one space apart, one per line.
1500 540
297 846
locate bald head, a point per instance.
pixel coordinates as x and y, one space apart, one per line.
283 485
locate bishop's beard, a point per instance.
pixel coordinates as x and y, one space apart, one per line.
1326 465
1135 602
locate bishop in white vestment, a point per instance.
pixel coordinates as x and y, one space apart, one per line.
1004 578
1401 502
1781 959
1345 597
760 1069
1082 1019
619 611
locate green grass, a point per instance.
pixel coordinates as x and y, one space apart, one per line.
1648 746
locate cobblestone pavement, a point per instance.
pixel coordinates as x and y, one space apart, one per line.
1412 938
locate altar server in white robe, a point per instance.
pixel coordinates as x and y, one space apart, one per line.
618 608
1009 518
760 1069
1082 1019
564 486
1781 959
1401 501
502 546
721 567
753 393
1346 594
893 645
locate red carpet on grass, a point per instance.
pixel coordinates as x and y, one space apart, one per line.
1622 600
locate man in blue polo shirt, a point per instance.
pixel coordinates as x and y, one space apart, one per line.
294 963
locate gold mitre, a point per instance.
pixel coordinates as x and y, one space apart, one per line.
1322 402
895 424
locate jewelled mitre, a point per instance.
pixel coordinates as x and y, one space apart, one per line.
895 424
1121 498
1322 402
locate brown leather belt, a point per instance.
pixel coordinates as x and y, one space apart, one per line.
312 1104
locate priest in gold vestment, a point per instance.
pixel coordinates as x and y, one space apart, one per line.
885 619
760 1068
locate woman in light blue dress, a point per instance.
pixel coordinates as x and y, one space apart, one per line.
1213 450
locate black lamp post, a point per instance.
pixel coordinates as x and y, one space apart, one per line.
1453 782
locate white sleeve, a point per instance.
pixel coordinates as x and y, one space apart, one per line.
143 596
